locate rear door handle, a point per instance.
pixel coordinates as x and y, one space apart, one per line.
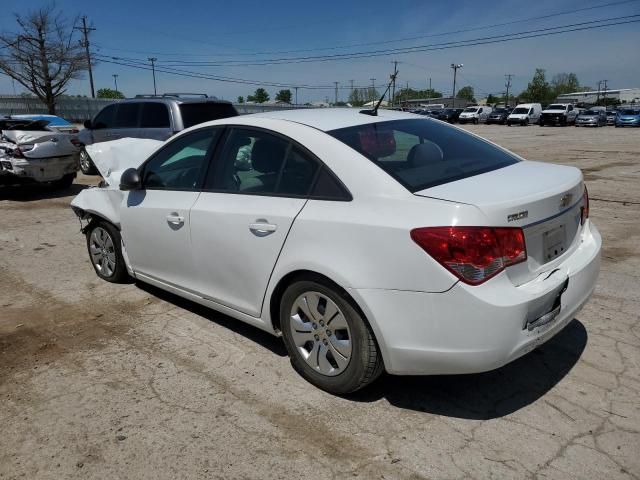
175 219
261 228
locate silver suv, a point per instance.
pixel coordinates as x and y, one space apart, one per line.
149 116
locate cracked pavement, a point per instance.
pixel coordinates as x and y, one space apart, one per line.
125 381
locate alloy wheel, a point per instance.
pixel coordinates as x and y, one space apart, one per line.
321 333
102 250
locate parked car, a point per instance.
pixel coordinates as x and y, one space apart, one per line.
592 118
32 151
499 115
559 114
628 117
475 114
369 242
524 114
611 117
450 115
155 117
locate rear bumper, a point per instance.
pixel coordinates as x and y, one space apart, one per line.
474 329
19 170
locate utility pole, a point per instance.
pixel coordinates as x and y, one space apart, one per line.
508 76
373 91
296 89
336 94
351 94
393 79
115 80
153 61
598 97
85 32
429 83
604 94
455 67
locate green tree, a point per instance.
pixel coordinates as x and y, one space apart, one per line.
538 90
565 83
240 99
284 96
491 99
108 93
466 93
355 98
259 96
405 94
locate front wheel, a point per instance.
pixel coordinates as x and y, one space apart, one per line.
329 342
86 164
105 251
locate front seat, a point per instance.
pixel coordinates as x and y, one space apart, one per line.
267 157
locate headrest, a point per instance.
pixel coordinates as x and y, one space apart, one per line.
267 155
425 154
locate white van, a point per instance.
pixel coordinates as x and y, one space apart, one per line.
475 114
524 114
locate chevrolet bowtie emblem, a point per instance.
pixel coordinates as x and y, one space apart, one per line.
565 200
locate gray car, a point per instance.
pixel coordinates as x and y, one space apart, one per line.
149 116
592 118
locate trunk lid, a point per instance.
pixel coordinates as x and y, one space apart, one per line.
544 199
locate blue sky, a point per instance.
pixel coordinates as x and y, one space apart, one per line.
215 31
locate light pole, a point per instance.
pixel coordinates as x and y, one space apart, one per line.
153 69
455 67
115 80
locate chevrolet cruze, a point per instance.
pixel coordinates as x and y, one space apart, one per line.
369 241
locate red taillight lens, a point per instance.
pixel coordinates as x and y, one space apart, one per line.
76 142
584 211
473 254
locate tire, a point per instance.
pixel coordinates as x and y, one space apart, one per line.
86 164
312 344
104 245
65 182
475 121
541 124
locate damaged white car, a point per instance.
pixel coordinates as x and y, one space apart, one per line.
32 152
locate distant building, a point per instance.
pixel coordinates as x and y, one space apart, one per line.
624 95
425 102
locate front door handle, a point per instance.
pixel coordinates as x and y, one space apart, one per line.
261 228
175 219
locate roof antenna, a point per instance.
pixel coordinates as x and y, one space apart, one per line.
374 111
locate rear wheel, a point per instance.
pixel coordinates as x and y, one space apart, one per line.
86 164
105 251
329 342
475 121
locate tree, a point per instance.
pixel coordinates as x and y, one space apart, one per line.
284 96
109 93
466 93
259 96
43 55
565 83
240 99
538 90
492 99
405 94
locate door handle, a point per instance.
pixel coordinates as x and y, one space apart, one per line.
175 219
261 228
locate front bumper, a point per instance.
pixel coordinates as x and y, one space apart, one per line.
475 329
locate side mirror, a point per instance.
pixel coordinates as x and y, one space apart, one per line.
87 124
130 180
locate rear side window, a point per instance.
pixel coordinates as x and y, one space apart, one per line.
423 153
127 115
154 115
105 118
195 113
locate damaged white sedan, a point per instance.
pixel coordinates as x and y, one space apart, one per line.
32 152
369 240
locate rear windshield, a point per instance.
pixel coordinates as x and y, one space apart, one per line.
423 153
195 113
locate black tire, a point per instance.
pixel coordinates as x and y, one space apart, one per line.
475 121
64 183
541 124
86 164
118 273
365 363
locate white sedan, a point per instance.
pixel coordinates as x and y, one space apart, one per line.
369 242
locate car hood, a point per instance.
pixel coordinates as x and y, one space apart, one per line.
113 158
587 117
553 111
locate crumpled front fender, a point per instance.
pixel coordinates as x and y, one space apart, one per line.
101 202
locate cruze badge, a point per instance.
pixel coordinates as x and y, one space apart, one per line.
565 200
517 216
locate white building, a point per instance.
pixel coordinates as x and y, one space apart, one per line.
625 95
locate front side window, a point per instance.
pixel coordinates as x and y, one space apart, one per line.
422 153
127 115
105 118
254 161
181 164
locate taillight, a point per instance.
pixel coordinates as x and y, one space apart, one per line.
76 142
473 254
584 210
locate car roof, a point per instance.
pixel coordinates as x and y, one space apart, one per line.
327 119
174 100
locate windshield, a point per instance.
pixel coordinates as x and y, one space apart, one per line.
423 153
499 110
591 112
556 107
629 112
520 110
471 109
195 113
